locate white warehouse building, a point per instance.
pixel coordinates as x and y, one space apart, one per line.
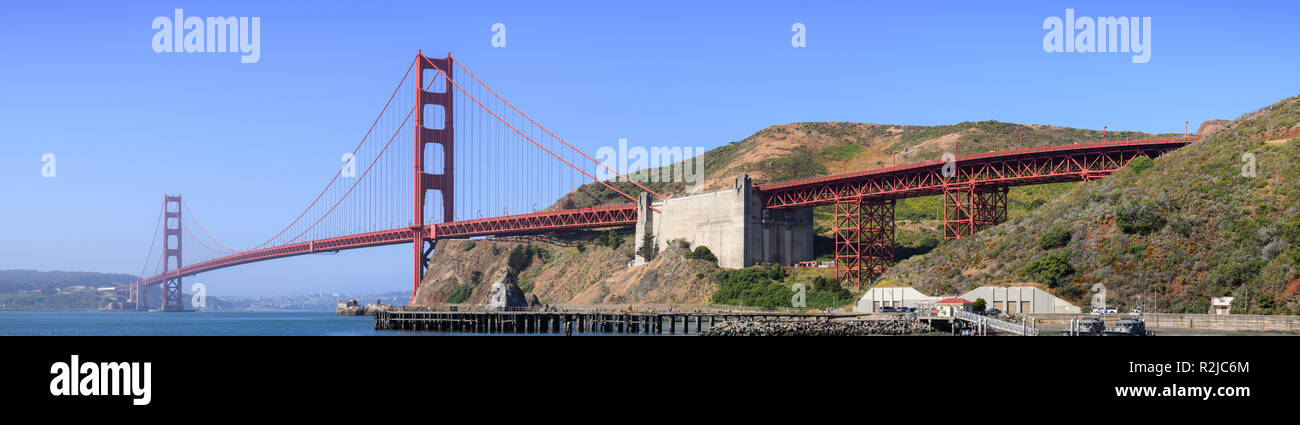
1008 299
1021 299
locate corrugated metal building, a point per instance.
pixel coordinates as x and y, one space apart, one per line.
1020 299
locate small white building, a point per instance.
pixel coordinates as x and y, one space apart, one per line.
1221 306
902 296
950 306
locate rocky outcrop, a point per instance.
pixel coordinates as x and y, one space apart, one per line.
505 295
669 278
1211 126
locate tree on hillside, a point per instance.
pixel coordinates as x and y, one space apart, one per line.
519 258
649 249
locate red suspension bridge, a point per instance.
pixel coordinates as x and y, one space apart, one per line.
495 171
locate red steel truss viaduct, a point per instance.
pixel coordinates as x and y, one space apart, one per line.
477 132
973 187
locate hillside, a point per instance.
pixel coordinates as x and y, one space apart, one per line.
803 150
581 268
32 280
596 273
57 290
1176 231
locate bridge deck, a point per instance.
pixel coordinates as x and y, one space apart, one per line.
511 225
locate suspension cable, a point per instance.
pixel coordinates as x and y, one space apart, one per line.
530 119
494 114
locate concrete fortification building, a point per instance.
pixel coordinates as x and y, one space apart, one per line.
732 223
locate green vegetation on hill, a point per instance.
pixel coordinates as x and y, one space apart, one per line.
1171 233
774 287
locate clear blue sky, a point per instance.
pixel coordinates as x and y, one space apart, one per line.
80 80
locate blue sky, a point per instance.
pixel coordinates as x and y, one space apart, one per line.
249 144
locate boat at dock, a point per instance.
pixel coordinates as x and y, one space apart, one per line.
1129 327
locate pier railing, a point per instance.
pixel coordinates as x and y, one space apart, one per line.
999 324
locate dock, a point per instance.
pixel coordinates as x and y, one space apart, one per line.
593 322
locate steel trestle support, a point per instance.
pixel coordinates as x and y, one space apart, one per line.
864 239
967 210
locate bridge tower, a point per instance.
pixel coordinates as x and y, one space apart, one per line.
864 239
171 227
442 133
133 297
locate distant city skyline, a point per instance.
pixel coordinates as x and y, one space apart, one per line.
128 124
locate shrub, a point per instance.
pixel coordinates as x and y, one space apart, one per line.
702 253
980 305
1234 273
830 286
460 293
610 240
519 258
1265 301
1181 226
1055 238
751 286
1140 164
1291 233
468 246
1139 217
1051 269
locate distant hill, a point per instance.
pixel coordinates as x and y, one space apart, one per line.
1174 231
30 280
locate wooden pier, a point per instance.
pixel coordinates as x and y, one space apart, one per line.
596 322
